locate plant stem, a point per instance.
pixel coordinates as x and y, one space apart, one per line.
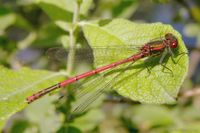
71 61
72 41
72 52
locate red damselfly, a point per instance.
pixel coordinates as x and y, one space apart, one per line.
154 48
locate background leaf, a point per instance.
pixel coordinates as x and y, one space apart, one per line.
61 12
15 86
152 118
137 83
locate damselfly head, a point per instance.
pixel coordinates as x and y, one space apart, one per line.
171 40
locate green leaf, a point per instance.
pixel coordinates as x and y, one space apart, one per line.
156 116
88 122
44 110
62 12
8 18
57 10
190 127
161 1
19 126
15 86
85 6
67 5
6 21
137 83
68 129
48 35
116 8
125 8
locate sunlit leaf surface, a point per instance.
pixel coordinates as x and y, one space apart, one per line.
15 86
160 85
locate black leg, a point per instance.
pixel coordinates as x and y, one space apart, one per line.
165 67
147 67
181 54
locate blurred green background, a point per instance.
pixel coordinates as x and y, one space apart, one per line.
27 32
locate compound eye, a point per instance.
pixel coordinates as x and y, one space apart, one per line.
174 44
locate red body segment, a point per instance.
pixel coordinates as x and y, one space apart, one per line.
98 70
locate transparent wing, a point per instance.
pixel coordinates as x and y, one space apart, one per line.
87 54
88 93
61 54
101 52
93 89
